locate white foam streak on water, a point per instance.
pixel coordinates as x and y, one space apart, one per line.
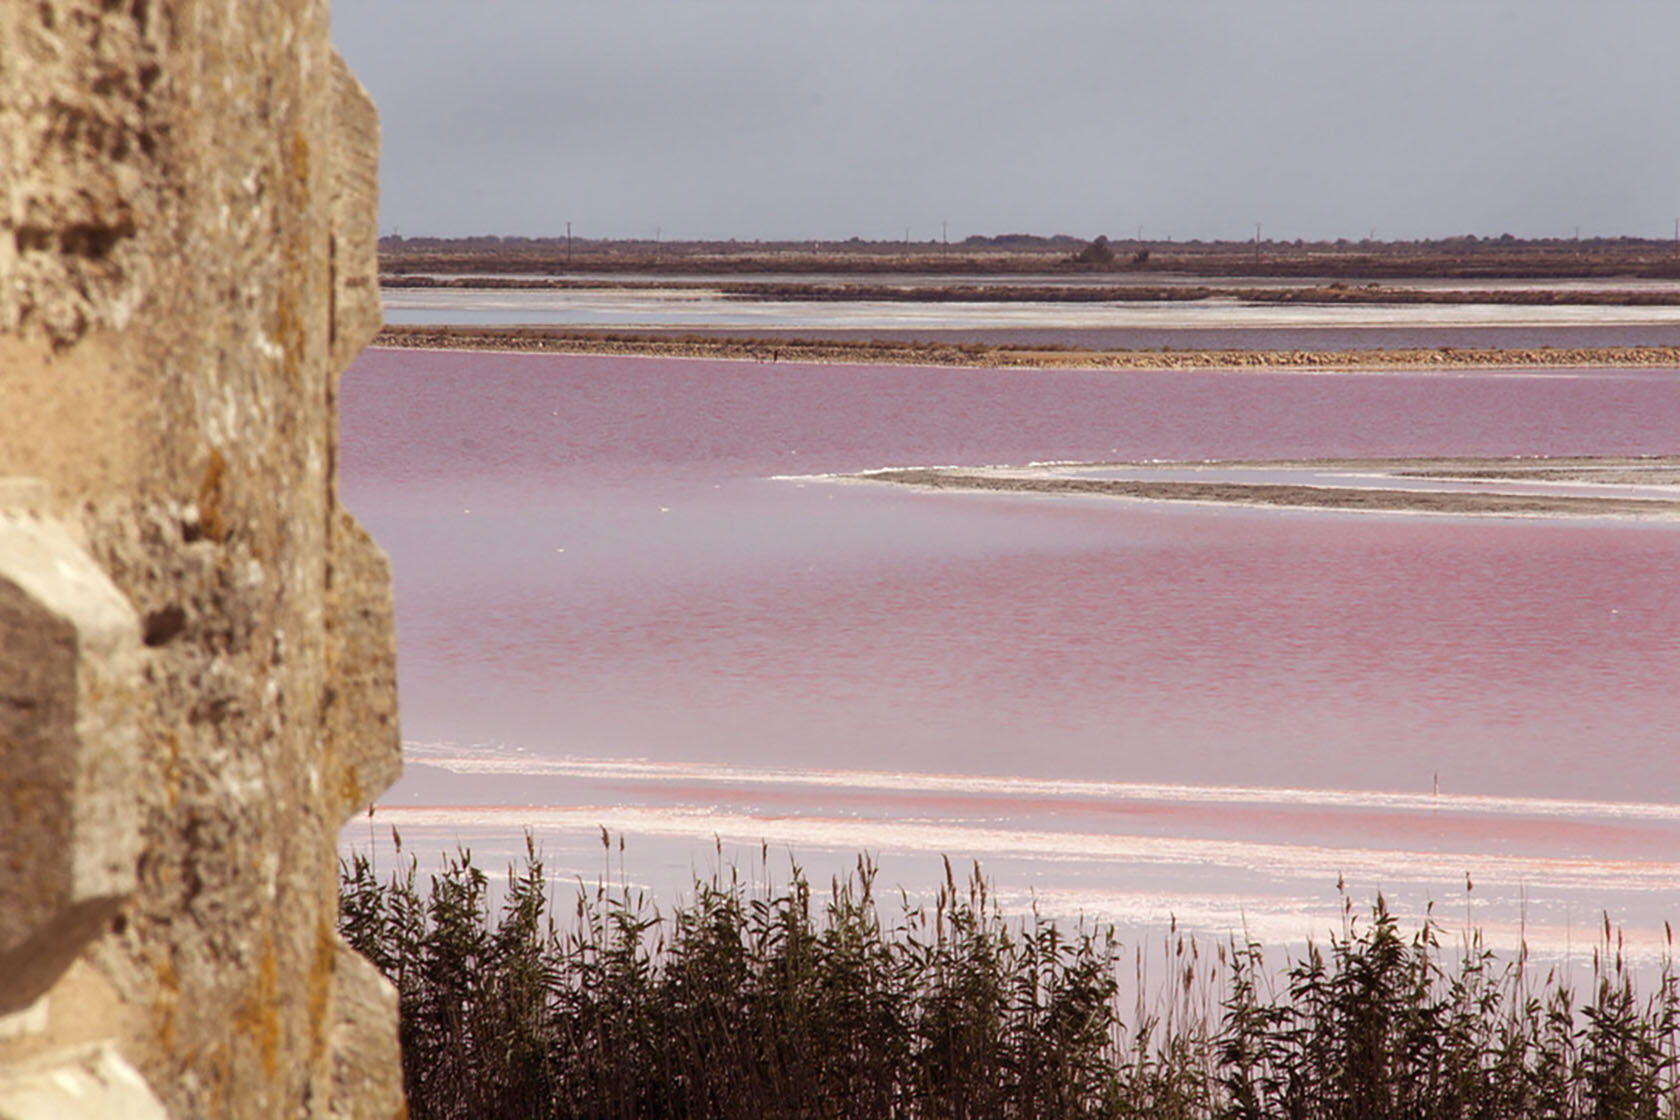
1278 860
1024 787
1282 921
1272 889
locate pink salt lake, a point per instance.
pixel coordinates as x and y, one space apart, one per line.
615 608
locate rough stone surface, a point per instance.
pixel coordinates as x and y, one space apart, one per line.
93 1084
187 223
69 827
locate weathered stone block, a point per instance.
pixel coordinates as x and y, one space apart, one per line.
363 1046
75 77
69 832
353 250
93 1084
364 748
187 263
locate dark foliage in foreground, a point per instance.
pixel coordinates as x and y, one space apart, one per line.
758 1002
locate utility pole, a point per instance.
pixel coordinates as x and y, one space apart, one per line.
568 244
1256 240
944 232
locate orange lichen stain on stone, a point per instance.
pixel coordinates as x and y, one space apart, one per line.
299 159
168 998
210 518
259 1017
290 323
288 330
320 985
350 790
169 980
172 768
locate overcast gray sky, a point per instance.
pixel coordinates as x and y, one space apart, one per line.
1189 118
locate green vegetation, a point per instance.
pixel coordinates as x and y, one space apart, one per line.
1097 252
763 1001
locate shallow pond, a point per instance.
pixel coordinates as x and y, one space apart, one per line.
1205 324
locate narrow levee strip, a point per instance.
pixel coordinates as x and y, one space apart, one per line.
1572 476
667 343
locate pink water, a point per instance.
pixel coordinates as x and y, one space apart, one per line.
597 562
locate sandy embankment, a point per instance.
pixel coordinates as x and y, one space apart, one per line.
652 344
1620 471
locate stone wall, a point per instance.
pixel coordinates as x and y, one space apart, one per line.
196 676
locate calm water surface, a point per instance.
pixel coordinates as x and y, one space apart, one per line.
617 608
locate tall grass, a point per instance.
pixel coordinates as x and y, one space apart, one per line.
752 999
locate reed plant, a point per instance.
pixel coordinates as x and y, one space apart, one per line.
760 998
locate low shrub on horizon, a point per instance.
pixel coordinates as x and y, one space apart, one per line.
753 999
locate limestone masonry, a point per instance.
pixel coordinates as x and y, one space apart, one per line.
196 676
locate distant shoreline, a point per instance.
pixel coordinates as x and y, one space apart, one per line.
657 344
1464 258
